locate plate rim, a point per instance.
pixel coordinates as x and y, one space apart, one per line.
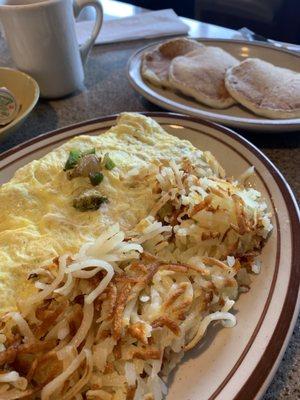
20 117
249 42
257 382
237 122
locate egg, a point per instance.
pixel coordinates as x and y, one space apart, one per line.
38 220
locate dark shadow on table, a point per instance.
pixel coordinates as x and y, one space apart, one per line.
279 388
286 140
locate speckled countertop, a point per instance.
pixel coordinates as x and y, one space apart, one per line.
107 91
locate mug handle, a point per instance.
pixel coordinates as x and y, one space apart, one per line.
78 6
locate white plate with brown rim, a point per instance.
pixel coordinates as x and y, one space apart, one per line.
237 363
235 116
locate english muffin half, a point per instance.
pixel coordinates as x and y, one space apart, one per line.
201 74
156 63
265 89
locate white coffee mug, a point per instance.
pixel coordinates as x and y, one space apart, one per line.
42 41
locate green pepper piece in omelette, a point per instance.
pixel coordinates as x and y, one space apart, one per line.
108 162
96 178
72 160
90 200
75 156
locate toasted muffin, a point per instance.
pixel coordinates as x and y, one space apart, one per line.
265 89
156 63
201 74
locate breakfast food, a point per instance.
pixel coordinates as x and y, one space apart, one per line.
156 63
265 89
201 74
38 220
215 78
121 287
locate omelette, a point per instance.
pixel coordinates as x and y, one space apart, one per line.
38 220
117 252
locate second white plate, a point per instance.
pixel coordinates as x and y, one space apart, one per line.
236 116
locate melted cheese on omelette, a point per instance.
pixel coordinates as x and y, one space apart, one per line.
38 221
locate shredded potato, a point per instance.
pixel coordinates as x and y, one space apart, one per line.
113 320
